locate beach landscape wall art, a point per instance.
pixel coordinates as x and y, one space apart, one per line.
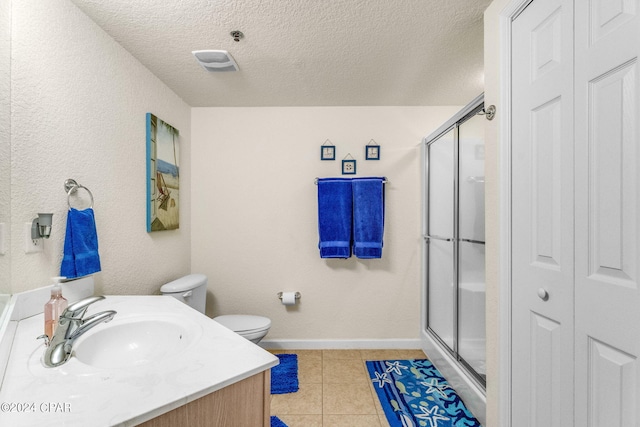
163 175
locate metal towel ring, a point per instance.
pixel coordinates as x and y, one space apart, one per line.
71 186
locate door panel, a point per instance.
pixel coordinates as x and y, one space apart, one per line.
441 289
545 155
612 386
603 198
441 298
546 342
471 254
542 215
471 178
607 108
471 305
612 186
441 185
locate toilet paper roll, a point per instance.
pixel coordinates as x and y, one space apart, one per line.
289 298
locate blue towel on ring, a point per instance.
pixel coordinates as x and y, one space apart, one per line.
81 256
335 205
368 217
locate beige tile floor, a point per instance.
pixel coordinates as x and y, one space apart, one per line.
335 389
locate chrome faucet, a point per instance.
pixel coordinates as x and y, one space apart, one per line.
70 326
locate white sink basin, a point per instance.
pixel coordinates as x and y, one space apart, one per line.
154 356
135 341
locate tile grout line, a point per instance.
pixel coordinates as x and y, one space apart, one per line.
363 357
322 389
372 391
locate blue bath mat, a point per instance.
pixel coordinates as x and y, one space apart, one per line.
277 422
284 377
413 393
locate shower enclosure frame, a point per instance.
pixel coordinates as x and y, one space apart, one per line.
469 385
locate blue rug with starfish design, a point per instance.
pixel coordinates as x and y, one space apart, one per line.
413 393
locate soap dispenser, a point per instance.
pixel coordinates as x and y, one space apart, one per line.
54 307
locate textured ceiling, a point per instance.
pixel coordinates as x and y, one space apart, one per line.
306 52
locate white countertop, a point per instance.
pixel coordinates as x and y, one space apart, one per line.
76 394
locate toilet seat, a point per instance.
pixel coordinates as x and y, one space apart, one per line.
244 323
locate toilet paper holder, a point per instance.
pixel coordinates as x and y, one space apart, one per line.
298 295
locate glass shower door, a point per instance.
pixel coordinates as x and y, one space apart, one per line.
454 241
471 270
440 241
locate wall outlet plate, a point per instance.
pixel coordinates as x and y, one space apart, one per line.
31 246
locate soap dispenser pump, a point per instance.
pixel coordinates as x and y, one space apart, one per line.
54 307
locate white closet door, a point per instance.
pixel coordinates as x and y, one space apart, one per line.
542 215
608 216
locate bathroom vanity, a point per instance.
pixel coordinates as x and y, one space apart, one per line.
157 363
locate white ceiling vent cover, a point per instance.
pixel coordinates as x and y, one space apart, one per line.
215 60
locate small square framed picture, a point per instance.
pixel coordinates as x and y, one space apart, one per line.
348 167
372 152
327 152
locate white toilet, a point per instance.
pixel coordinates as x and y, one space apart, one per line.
192 290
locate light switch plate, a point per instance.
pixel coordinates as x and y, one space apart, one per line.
31 246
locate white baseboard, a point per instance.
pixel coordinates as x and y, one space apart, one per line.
355 344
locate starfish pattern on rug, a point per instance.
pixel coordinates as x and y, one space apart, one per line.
435 386
395 367
413 393
381 379
431 415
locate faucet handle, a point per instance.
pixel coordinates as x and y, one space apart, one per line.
46 339
78 308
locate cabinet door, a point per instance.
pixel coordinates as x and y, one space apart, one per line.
542 215
607 340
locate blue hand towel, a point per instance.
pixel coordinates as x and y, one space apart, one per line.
81 256
335 205
368 217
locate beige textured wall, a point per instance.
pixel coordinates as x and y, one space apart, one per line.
255 217
5 138
492 202
79 102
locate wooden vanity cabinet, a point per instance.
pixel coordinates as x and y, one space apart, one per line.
245 403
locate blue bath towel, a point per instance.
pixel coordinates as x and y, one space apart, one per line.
368 217
335 204
81 256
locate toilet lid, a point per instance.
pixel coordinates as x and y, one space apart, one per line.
243 322
183 284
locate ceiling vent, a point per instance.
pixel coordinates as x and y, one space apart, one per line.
215 60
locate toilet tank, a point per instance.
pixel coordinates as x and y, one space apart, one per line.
191 290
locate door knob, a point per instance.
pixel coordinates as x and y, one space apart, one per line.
543 294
